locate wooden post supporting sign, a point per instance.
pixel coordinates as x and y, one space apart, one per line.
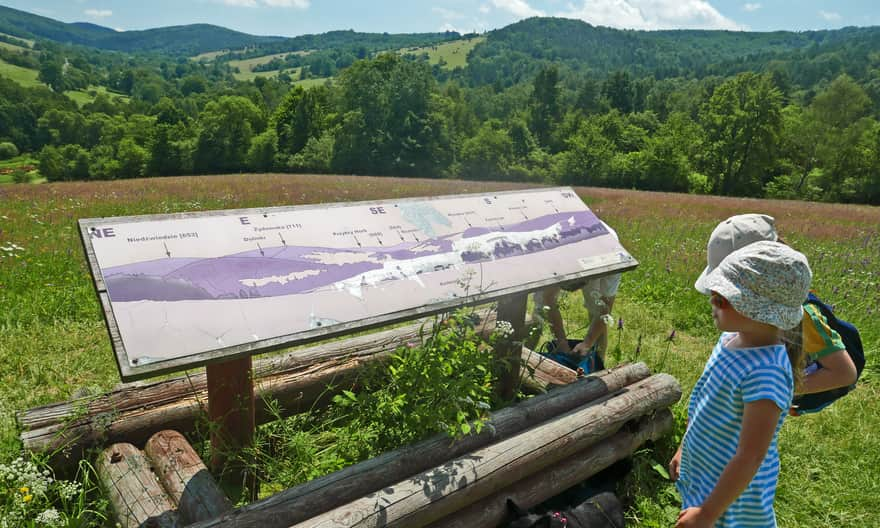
511 309
231 411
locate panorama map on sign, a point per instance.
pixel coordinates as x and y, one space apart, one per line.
186 284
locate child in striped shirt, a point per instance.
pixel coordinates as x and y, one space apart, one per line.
727 466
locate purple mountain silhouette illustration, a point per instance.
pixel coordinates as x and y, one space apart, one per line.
290 270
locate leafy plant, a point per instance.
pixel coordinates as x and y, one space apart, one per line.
442 384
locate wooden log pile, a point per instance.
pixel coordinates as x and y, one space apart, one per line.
164 486
598 419
298 381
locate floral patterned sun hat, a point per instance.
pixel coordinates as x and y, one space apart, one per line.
764 281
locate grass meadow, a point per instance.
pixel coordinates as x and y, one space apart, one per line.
452 54
23 76
53 341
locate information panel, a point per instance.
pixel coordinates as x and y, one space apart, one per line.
182 290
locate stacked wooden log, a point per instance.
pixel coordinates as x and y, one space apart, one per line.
529 451
164 486
299 380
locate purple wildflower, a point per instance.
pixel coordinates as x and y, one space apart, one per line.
620 323
671 335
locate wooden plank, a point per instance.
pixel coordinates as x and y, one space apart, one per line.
185 478
541 373
336 489
231 413
438 492
297 380
134 493
511 310
167 391
553 480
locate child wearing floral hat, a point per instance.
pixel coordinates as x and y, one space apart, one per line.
727 466
829 363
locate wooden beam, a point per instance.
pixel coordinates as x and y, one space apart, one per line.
134 493
336 489
553 480
186 480
511 309
230 409
459 482
297 380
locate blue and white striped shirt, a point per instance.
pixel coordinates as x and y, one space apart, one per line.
732 378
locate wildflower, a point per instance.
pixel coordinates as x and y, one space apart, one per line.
504 328
23 490
68 489
671 335
620 323
50 517
27 498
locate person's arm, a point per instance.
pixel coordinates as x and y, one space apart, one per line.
598 328
759 425
838 370
675 463
550 297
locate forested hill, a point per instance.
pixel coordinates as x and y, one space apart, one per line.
182 40
519 51
556 101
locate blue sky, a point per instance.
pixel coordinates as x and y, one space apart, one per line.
297 17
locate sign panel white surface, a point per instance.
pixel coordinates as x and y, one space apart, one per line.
179 288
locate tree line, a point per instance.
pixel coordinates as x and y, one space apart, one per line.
749 133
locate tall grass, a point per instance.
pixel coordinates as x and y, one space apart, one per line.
53 342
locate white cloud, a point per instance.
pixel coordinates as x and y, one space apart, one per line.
651 14
98 13
449 27
298 4
752 7
519 8
446 14
830 16
485 9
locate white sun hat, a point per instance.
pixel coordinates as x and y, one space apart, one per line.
764 281
735 232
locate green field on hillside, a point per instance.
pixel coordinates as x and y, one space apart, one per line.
245 66
209 55
53 341
310 83
23 76
451 54
28 78
11 47
29 42
88 95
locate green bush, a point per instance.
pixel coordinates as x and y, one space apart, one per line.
8 150
21 176
440 383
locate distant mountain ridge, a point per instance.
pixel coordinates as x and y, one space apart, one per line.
524 46
189 39
193 39
508 55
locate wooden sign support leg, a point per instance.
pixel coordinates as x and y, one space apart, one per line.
513 310
231 411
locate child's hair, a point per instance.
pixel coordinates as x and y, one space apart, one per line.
794 346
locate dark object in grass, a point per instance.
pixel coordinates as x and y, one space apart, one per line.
591 504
